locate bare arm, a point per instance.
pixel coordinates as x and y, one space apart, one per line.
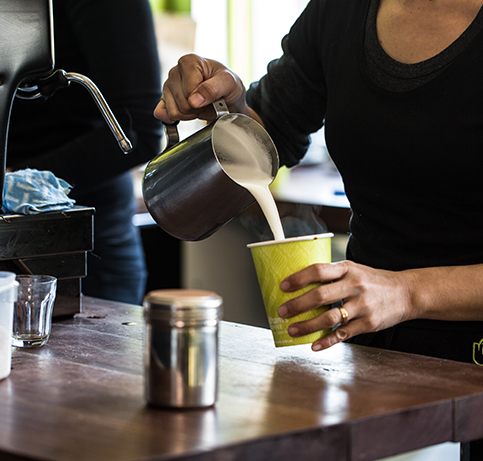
377 299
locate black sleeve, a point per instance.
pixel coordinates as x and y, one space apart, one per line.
291 97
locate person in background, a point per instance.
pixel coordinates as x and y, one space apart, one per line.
113 43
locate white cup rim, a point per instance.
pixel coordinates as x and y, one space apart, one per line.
6 278
291 239
35 279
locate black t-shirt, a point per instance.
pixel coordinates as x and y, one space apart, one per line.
410 160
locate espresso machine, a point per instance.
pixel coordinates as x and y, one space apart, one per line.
52 243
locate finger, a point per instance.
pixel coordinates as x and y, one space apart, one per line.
321 295
161 113
314 273
172 109
175 98
206 80
176 106
221 84
340 334
198 90
329 319
192 70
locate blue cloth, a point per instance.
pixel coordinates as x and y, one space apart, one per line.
31 192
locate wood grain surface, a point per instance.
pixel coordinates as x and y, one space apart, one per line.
80 397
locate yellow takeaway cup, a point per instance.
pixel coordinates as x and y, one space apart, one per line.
275 260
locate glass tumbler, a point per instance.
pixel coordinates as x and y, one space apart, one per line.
32 315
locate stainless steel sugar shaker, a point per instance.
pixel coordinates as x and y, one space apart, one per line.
181 347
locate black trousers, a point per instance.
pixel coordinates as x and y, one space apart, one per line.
116 268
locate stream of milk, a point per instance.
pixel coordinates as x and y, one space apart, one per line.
257 182
247 160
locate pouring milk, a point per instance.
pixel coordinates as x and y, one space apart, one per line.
257 182
246 160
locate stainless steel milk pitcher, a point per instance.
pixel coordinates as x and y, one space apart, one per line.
186 188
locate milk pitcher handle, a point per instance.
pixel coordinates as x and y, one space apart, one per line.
171 129
172 134
220 107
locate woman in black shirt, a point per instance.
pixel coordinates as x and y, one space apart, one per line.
398 86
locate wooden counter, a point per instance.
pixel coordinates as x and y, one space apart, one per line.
80 397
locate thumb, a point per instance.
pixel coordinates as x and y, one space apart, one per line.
220 83
197 99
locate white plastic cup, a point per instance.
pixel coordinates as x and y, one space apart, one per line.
8 296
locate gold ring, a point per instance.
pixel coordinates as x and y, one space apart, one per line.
345 316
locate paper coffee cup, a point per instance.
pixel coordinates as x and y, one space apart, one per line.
274 261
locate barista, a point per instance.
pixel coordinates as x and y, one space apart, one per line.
398 86
113 43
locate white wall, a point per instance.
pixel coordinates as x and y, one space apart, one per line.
270 21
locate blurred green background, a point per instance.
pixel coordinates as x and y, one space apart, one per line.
171 6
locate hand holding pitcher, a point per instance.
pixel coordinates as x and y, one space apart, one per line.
194 84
